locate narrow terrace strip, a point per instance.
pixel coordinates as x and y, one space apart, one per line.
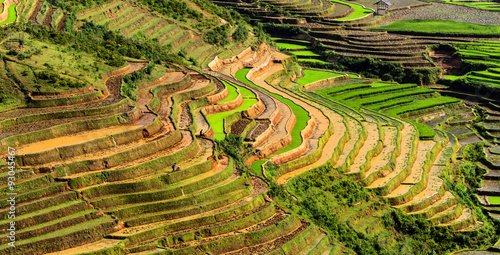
370 143
354 129
326 156
409 135
75 139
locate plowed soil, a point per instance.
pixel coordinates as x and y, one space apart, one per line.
35 12
262 125
239 126
48 18
62 22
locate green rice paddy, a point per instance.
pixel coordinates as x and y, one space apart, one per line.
301 114
313 60
311 76
290 46
304 53
359 10
494 200
233 93
217 120
12 15
440 26
392 99
452 77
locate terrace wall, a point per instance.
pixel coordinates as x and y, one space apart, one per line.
326 83
289 155
217 63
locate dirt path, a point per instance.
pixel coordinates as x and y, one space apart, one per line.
408 136
370 143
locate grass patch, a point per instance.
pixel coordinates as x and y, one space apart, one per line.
301 114
12 15
311 76
440 26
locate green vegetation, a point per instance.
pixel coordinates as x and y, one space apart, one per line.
423 104
451 77
131 82
494 200
304 53
217 120
359 10
488 6
311 76
301 114
233 93
392 99
441 27
307 60
290 46
12 15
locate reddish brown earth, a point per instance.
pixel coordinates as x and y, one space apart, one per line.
48 18
450 64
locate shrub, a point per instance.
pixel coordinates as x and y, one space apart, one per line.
218 35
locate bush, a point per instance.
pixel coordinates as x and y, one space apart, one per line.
218 35
241 33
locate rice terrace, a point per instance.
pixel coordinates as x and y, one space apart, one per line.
283 127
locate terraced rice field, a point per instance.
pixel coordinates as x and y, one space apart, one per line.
488 6
299 112
311 76
359 10
494 200
443 27
11 18
109 174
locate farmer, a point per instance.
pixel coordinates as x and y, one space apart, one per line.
173 167
178 168
215 144
201 133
